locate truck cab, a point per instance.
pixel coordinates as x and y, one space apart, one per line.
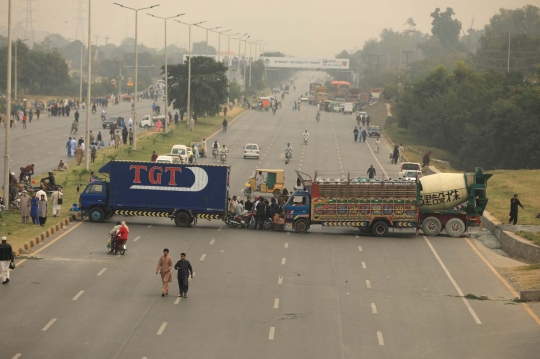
93 201
297 211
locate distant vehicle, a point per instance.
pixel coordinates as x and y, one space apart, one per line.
409 166
108 122
150 121
251 150
175 158
411 175
200 146
167 159
348 108
182 151
303 98
374 131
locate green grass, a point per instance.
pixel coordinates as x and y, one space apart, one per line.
18 234
533 266
533 237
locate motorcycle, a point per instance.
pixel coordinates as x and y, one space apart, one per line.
215 152
318 117
102 117
93 111
242 221
223 157
288 156
110 246
267 223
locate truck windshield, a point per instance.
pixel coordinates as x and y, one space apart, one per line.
94 188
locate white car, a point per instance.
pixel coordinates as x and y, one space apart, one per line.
252 150
409 166
411 175
182 151
165 159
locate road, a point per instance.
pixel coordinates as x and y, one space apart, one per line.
331 293
43 142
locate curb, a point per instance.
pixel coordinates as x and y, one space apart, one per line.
47 234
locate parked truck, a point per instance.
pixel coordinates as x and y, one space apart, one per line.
449 201
320 94
176 191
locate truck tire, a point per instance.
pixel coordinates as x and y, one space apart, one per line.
455 227
182 219
248 191
277 193
380 229
96 214
431 226
108 214
301 226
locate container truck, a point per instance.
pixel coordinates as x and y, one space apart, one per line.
176 191
449 201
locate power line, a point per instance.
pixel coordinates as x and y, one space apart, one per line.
29 26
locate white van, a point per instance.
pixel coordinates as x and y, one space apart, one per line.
348 108
182 151
150 121
164 159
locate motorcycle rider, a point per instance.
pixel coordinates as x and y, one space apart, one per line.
318 116
113 233
93 108
215 147
306 136
27 171
288 150
103 115
223 151
121 237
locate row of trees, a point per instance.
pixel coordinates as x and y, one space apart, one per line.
489 119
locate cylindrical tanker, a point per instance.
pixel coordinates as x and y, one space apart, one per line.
444 191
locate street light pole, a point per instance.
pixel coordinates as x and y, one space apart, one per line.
80 80
7 159
219 42
229 63
89 91
136 93
207 30
166 126
245 53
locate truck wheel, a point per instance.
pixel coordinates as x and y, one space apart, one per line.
248 191
108 214
431 226
380 229
301 226
96 215
455 227
277 193
182 219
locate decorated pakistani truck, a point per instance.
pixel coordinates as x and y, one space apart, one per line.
446 201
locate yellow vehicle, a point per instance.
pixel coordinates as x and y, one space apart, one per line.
200 146
266 181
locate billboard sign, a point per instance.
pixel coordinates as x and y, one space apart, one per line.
306 63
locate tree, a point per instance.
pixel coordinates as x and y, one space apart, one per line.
199 48
208 85
446 29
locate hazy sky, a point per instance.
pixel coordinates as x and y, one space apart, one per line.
307 28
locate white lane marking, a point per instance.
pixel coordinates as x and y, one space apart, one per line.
368 283
49 324
380 338
17 356
136 239
280 280
101 271
359 249
50 153
465 301
364 265
212 241
373 308
38 157
272 332
78 295
286 245
177 300
283 261
162 328
276 303
150 226
203 257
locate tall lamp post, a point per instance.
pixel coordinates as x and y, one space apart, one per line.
7 159
208 30
229 63
166 67
239 44
219 42
89 89
256 43
189 69
16 73
245 61
136 93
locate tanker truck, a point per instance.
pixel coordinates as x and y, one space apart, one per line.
446 201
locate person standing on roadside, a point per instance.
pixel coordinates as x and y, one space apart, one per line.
158 126
130 136
42 210
176 118
154 156
77 116
34 209
24 121
56 199
355 132
73 146
6 258
164 267
68 146
25 207
191 123
364 135
38 112
184 270
225 111
99 139
195 154
401 152
514 204
259 215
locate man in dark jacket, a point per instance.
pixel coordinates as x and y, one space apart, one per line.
259 215
371 172
248 206
514 204
6 257
184 270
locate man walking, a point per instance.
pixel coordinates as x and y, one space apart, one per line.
176 118
184 270
195 154
68 146
164 267
355 131
42 210
6 257
371 172
224 124
401 152
514 204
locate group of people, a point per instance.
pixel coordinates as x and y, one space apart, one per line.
35 206
262 208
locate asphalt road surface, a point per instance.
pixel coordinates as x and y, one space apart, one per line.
43 142
331 293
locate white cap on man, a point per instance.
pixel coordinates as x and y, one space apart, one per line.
4 238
